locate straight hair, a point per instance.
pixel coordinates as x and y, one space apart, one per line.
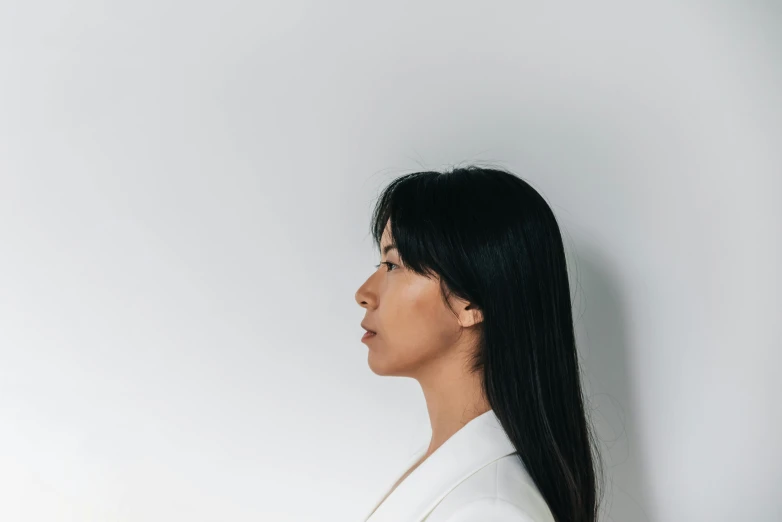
494 241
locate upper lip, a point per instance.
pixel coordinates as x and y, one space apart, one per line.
367 329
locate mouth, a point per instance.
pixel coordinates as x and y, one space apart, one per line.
369 333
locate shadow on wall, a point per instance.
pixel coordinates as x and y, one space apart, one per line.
601 332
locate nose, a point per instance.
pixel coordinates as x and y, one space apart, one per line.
360 299
364 295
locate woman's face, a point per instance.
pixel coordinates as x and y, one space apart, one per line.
414 326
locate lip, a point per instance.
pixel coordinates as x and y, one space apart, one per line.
368 335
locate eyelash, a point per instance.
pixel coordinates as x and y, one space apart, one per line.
387 263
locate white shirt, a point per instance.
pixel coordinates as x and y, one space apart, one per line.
474 476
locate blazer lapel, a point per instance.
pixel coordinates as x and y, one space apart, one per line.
477 444
402 470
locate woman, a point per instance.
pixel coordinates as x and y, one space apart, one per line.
472 300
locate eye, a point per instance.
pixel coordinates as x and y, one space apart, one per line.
388 264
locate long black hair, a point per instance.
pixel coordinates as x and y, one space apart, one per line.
494 241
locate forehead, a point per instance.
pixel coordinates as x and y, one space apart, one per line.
386 237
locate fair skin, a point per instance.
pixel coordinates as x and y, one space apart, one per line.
419 337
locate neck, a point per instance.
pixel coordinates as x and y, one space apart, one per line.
453 398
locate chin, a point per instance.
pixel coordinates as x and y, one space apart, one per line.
386 368
377 367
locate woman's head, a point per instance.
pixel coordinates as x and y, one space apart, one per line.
473 269
414 326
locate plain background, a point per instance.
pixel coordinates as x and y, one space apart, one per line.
185 194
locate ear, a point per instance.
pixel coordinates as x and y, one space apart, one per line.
469 314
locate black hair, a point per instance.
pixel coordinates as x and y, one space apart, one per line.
494 241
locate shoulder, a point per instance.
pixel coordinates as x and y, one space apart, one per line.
501 491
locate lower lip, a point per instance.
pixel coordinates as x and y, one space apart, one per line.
368 335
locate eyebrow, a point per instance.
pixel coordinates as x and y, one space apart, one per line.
386 248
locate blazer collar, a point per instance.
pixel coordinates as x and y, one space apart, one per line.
476 444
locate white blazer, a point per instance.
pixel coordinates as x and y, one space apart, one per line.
474 476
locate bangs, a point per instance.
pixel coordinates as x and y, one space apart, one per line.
414 205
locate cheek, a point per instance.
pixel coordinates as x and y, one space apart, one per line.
416 322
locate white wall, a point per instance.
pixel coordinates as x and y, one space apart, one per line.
185 190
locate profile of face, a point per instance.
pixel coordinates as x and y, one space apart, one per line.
414 328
